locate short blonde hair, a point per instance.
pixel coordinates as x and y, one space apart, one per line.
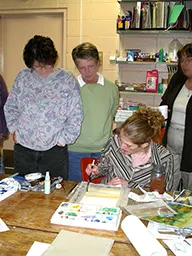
143 125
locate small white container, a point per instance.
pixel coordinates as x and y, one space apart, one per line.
47 184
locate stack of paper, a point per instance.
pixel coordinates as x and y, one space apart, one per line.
85 245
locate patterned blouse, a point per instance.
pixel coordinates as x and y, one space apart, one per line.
114 163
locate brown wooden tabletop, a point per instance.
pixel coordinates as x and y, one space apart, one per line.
28 216
17 242
34 210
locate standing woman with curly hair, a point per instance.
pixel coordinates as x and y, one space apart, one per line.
43 111
128 159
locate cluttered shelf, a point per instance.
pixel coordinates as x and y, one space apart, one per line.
158 16
140 93
148 33
154 31
123 60
124 1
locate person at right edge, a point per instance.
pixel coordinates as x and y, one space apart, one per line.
100 99
178 132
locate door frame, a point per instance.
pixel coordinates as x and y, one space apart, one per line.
62 11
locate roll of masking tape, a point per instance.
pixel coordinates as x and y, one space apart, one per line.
33 176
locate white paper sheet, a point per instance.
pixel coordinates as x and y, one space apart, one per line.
99 201
69 243
37 249
3 226
143 241
179 247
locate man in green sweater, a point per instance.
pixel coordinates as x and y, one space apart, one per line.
100 101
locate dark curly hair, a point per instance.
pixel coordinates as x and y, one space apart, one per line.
143 125
85 51
41 49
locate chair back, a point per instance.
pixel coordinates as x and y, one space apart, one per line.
158 139
84 162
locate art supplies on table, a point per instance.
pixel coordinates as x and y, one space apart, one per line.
162 231
85 245
157 208
33 176
8 186
87 216
143 241
149 196
24 184
98 194
182 219
35 182
185 197
180 247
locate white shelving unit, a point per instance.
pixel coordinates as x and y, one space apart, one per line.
148 41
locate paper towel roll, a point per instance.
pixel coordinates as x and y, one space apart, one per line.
143 241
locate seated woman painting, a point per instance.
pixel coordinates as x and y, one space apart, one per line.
127 159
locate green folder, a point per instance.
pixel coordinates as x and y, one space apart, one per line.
175 12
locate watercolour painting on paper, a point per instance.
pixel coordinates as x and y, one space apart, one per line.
182 219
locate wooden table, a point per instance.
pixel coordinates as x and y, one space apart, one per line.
28 215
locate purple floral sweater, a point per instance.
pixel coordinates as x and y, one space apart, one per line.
44 111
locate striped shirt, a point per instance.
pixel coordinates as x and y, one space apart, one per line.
114 163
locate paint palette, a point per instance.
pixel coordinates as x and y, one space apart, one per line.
87 216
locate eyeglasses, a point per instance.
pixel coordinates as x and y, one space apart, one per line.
187 60
42 67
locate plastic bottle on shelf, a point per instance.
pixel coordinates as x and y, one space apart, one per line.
47 183
128 16
161 55
121 103
119 23
173 48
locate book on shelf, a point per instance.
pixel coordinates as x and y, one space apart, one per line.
87 216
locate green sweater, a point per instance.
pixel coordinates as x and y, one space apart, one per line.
99 105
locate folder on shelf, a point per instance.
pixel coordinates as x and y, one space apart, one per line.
136 16
154 15
175 12
160 14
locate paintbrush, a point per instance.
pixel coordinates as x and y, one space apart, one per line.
90 175
178 195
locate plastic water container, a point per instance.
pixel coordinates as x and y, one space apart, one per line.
173 48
